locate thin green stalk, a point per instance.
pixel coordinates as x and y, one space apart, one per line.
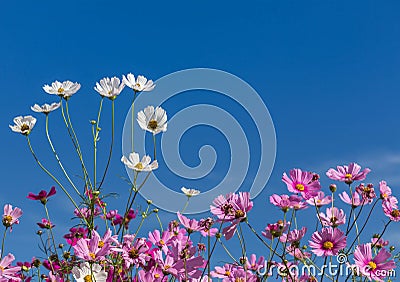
95 139
51 229
57 158
186 205
2 242
112 143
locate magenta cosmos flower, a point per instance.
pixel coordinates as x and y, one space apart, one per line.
348 174
373 268
327 242
10 215
302 182
8 272
42 196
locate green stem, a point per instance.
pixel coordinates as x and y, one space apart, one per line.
112 143
51 230
2 243
95 139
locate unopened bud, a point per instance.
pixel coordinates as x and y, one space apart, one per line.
39 232
392 248
155 210
93 122
149 202
333 188
218 235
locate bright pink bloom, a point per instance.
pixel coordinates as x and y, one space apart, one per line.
92 249
160 241
254 264
275 230
302 182
10 215
86 212
327 242
75 234
8 272
45 224
232 206
348 174
43 195
354 201
333 217
373 268
207 230
320 200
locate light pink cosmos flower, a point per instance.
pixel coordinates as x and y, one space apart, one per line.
45 224
8 272
302 182
232 206
92 249
379 243
10 215
333 217
327 242
254 264
191 225
319 200
391 211
386 194
354 201
367 192
160 240
297 203
348 174
294 236
373 268
275 230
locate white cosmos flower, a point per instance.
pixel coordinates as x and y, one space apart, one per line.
153 120
83 273
133 162
63 89
109 87
23 125
190 192
139 84
45 108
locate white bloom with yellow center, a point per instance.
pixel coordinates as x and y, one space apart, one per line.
23 125
87 273
133 162
45 108
190 192
139 84
109 87
153 120
63 89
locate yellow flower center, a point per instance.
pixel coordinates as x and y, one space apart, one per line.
395 213
24 127
138 85
87 278
167 266
152 124
101 244
372 265
328 245
319 201
227 273
156 275
385 195
7 219
348 175
139 165
162 242
239 214
300 187
133 253
109 92
1 268
92 255
60 90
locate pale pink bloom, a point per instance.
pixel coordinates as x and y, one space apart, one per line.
281 201
254 264
8 272
348 174
191 225
297 202
373 268
297 252
10 215
367 192
302 182
160 240
294 236
92 249
327 242
333 217
379 244
386 194
391 211
223 272
320 200
232 206
275 230
354 201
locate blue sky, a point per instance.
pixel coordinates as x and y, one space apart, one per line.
327 71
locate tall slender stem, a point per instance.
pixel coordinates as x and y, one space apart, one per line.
112 143
95 139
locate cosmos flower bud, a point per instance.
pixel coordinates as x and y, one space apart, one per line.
149 202
333 188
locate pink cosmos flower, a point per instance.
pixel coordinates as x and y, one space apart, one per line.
191 225
254 264
367 192
297 252
298 203
348 174
10 215
281 201
354 201
207 230
320 200
333 217
327 242
391 211
232 206
75 234
275 230
386 194
91 249
42 196
45 224
159 240
8 272
302 182
379 243
373 268
294 236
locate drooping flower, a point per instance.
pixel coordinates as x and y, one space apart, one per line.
190 192
8 272
88 273
354 201
109 87
378 242
153 120
333 217
348 174
275 230
45 224
23 125
302 182
319 200
43 195
133 162
367 192
10 215
374 268
139 84
62 89
327 242
45 108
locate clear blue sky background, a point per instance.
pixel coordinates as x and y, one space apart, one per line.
327 70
